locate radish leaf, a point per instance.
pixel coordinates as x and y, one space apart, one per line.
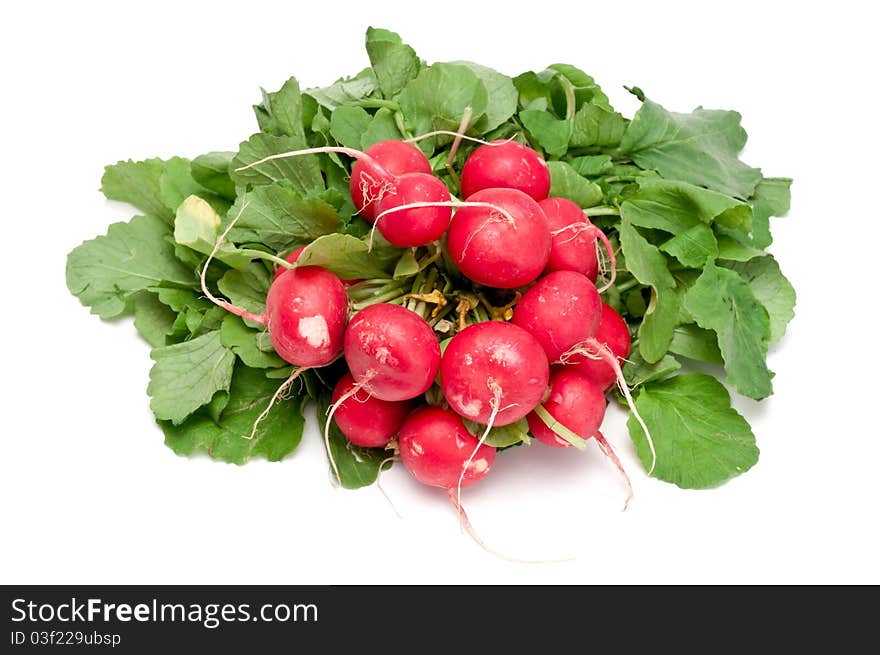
701 148
701 441
186 376
277 435
721 300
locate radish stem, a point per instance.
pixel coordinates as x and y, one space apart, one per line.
225 304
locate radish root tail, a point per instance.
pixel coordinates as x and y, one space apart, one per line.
594 349
495 404
381 488
469 528
455 493
330 412
608 451
594 232
279 393
612 260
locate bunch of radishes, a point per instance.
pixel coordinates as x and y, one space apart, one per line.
550 362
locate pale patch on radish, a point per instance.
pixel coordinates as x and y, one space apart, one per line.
384 356
495 404
315 331
469 408
479 466
504 356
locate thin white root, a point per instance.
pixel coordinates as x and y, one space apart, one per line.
501 216
472 236
455 495
600 260
279 393
612 260
351 152
225 304
455 204
382 489
330 412
576 229
594 349
464 137
608 451
466 524
599 235
367 182
495 404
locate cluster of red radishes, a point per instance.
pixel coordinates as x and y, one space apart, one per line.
551 364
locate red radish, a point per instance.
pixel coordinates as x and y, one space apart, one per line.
503 250
368 183
414 226
365 420
506 164
306 313
574 241
494 373
614 333
374 173
438 451
290 259
434 446
570 249
574 401
577 405
391 352
561 310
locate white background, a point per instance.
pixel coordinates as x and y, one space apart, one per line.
88 492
